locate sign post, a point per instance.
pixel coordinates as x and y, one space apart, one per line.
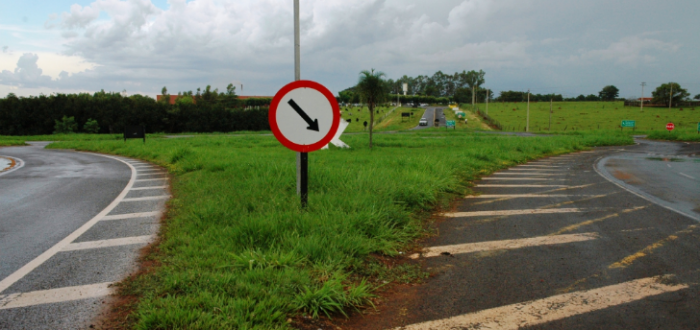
304 116
135 132
670 126
451 123
628 123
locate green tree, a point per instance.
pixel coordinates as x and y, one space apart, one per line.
697 97
609 93
663 93
65 126
372 90
91 126
474 80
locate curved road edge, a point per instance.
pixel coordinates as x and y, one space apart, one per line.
599 167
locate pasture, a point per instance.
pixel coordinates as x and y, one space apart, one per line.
587 116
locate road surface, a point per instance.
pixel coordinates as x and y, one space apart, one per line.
61 245
553 244
428 115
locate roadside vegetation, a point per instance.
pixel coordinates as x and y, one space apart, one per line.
236 251
568 116
677 135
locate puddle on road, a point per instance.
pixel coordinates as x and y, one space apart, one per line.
5 163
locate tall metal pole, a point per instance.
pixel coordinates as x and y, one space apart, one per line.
487 101
550 114
670 96
527 122
302 157
641 106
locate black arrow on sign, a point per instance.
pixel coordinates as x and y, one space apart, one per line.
313 125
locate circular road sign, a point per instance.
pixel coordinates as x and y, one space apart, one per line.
670 126
304 116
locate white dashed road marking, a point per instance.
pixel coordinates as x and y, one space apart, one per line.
108 243
520 315
146 180
520 185
148 198
511 212
17 300
686 175
131 215
510 244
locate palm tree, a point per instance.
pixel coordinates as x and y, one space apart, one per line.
372 90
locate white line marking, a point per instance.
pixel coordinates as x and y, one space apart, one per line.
147 198
541 311
529 174
526 196
520 179
19 164
511 212
33 298
520 185
131 216
149 188
153 170
18 274
534 170
669 165
538 166
510 244
145 180
108 243
686 175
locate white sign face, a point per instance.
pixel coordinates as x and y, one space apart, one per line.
304 116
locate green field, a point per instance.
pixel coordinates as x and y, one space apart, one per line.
236 251
587 116
676 135
385 120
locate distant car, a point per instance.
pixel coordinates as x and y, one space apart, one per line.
423 122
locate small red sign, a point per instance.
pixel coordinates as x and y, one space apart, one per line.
670 126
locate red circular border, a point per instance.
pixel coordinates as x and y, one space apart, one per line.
670 126
272 115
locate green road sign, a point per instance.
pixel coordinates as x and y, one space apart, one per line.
450 123
628 123
698 127
460 114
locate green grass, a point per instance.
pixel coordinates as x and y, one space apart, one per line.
238 253
589 116
676 135
392 122
473 122
7 142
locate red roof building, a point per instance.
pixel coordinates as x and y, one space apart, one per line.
645 99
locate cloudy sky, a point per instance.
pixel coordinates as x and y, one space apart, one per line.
547 46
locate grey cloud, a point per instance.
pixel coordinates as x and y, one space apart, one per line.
550 45
27 73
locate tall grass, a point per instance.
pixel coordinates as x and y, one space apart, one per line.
237 252
675 135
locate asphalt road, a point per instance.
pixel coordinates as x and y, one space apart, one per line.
553 244
59 254
428 115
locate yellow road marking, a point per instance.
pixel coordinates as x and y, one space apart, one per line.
627 261
590 222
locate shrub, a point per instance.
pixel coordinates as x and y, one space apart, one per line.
66 126
91 126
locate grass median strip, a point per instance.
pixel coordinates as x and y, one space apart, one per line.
237 252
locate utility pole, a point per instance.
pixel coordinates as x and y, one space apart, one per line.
302 157
550 114
670 96
487 101
527 122
642 99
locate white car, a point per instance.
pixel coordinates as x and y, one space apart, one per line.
423 122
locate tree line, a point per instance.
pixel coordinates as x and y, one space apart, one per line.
105 112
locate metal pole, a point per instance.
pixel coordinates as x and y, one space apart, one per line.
487 102
302 157
670 97
527 123
550 114
642 99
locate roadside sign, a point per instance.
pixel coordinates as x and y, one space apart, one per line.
670 126
450 123
304 116
460 115
135 132
628 123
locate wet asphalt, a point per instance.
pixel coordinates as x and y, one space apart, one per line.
54 193
632 238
